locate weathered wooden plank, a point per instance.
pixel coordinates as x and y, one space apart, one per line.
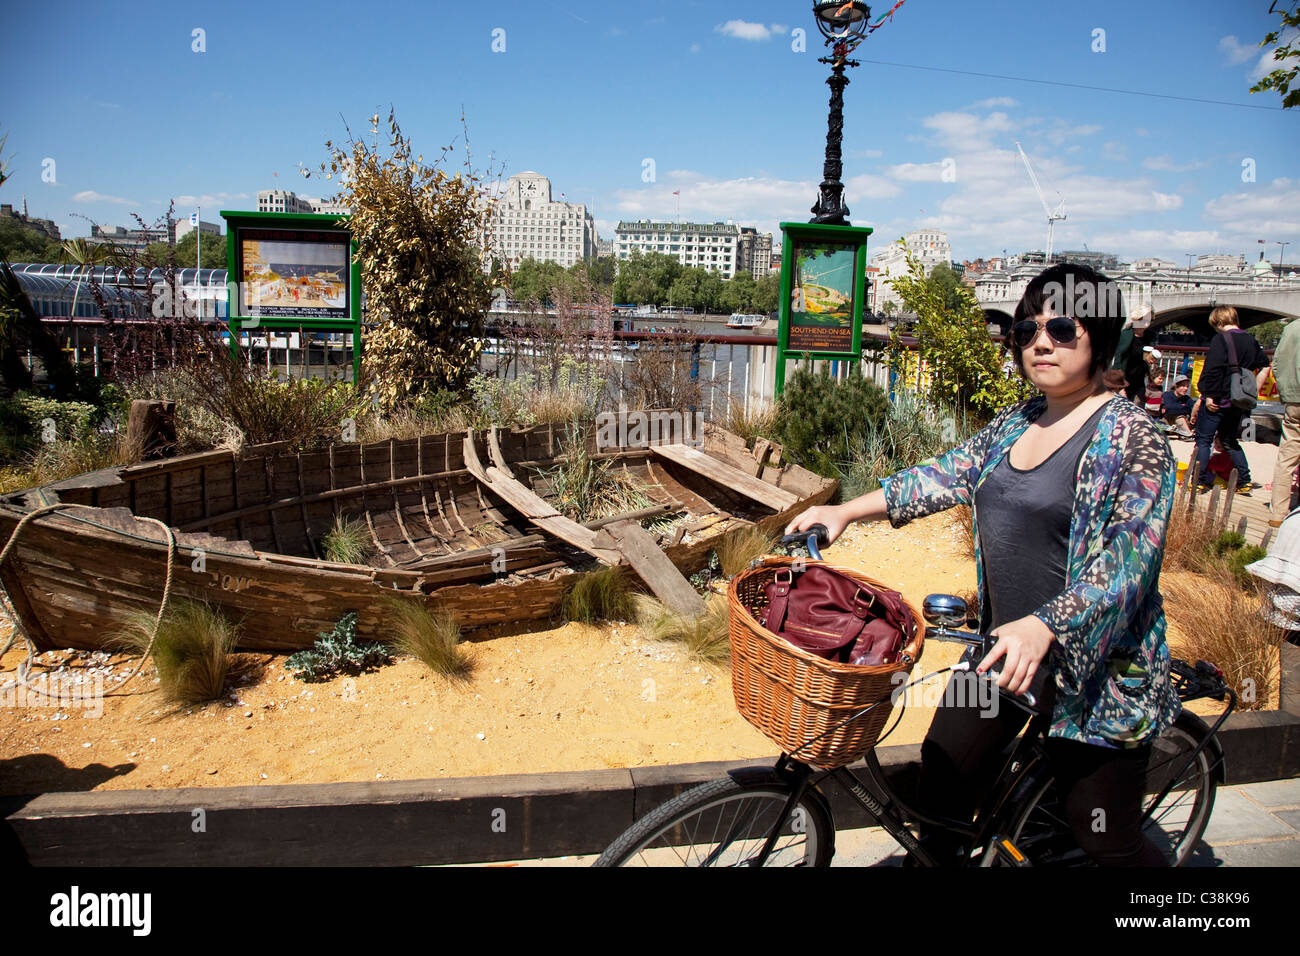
727 476
532 507
654 568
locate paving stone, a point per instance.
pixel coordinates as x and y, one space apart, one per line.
1237 818
1274 793
868 846
1275 853
1289 817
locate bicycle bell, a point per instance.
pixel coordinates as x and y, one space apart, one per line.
947 610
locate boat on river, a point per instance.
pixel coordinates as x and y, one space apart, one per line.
465 521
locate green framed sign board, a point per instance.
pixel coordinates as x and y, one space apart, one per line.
292 271
823 288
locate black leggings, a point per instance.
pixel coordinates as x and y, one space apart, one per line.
1102 787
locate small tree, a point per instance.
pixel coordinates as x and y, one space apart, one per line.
966 366
417 229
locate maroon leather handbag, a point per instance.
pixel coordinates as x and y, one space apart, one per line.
827 613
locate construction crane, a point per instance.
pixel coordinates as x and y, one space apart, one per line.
1052 217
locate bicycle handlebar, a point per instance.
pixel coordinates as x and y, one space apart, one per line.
813 538
983 642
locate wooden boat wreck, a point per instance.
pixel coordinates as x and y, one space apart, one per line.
461 521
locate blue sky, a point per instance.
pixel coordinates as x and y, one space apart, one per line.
733 117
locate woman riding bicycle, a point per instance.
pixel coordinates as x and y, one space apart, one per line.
1070 492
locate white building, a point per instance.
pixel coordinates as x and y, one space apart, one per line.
713 246
206 229
526 223
1220 263
754 252
281 200
929 245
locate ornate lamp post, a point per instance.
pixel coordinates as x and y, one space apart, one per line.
844 25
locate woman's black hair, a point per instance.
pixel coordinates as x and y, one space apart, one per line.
1085 294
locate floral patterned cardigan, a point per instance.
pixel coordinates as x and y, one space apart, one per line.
1110 660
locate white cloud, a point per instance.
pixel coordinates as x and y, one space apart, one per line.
868 153
780 27
744 30
967 130
210 200
1166 200
89 195
694 48
1166 163
1261 211
868 186
1142 131
993 101
1114 151
1235 51
1266 64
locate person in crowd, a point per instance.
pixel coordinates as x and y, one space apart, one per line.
1130 357
1114 381
1071 492
1176 406
1286 372
1279 575
1216 415
1155 384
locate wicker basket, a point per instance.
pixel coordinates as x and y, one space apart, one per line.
794 697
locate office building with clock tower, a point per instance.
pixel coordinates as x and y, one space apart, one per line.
528 224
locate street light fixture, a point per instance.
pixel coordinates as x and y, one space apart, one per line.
1190 256
1280 253
844 25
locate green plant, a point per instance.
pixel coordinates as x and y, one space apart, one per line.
430 636
819 418
584 488
191 650
28 420
1243 556
336 652
601 595
965 365
912 431
347 542
417 229
750 424
704 637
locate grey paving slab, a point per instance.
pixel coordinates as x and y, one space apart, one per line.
1291 818
1236 818
1274 793
1275 853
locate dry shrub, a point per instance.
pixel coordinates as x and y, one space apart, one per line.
750 424
192 649
430 636
705 637
348 541
602 595
1188 537
965 528
742 545
57 460
1220 623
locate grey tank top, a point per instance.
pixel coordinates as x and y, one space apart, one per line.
1024 528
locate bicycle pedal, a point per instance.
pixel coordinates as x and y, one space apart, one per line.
1008 852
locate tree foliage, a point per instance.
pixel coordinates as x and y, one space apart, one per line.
1281 78
820 420
417 229
23 243
966 366
656 278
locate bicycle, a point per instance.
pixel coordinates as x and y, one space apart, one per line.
774 816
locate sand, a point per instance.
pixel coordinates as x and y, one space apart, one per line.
568 698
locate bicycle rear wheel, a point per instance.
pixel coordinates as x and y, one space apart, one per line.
1041 831
726 822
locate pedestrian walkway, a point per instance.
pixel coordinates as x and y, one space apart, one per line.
1253 507
1255 824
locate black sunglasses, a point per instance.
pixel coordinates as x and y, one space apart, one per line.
1063 330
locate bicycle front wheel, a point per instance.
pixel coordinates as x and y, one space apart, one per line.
726 822
1175 824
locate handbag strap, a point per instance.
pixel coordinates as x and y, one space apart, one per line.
783 584
1232 351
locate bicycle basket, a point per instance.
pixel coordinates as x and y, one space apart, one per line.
794 698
